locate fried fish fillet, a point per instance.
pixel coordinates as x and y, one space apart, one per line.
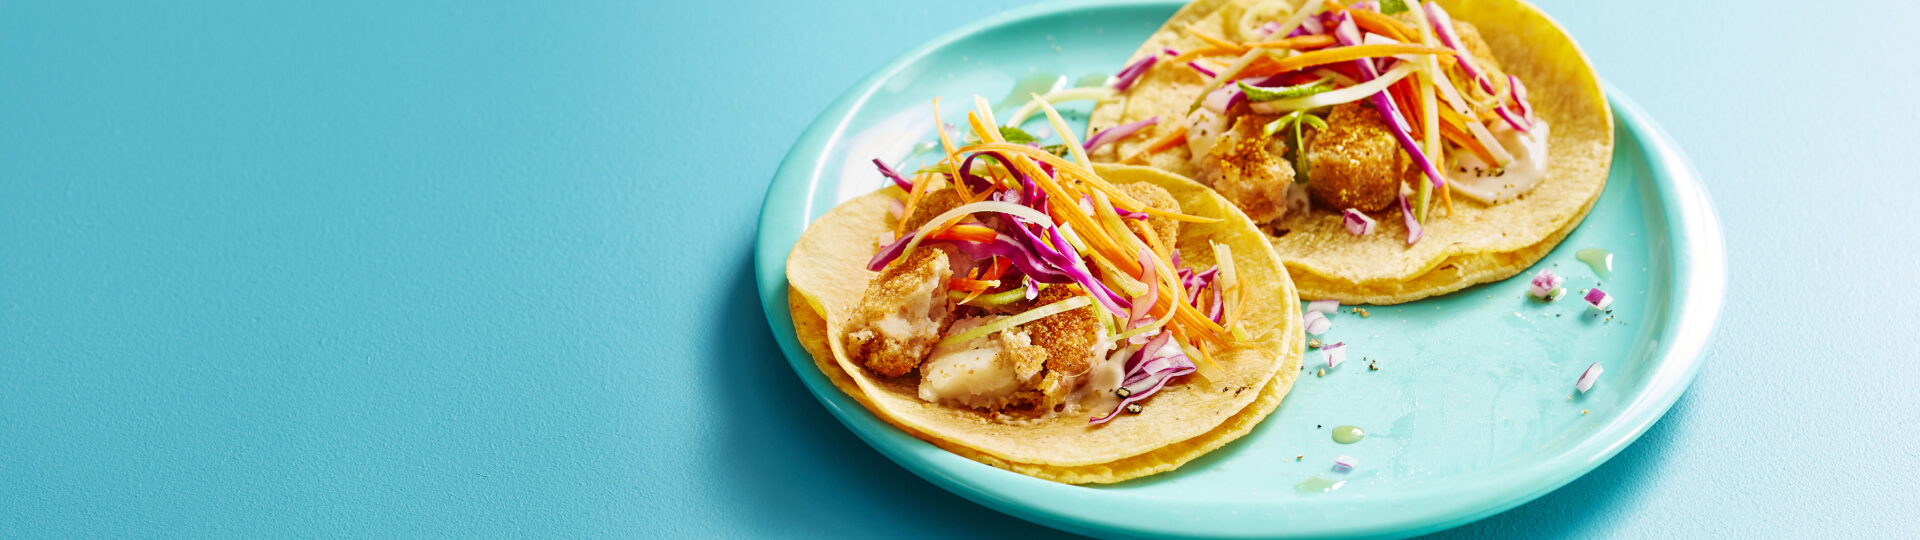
902 314
1354 161
1252 172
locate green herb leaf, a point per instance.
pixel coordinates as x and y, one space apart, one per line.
1391 7
1257 94
1016 135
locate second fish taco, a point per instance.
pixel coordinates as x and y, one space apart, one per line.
1395 150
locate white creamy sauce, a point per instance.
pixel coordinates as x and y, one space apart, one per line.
1489 184
1097 396
1203 128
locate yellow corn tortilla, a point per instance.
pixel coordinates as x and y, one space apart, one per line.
827 274
812 330
1474 244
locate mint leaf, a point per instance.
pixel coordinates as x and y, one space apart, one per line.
1391 7
1016 135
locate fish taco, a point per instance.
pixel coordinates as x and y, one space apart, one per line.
1047 316
1394 150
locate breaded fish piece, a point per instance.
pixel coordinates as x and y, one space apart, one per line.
1354 161
1166 229
1068 336
931 205
902 314
1252 172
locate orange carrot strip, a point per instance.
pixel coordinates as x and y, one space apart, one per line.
1205 52
968 284
913 198
1372 21
999 268
1216 42
1453 134
1074 170
1297 42
1337 54
953 158
964 233
1177 137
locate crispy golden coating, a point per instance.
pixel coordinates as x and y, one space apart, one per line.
1354 161
1069 336
902 314
932 204
1252 172
1166 229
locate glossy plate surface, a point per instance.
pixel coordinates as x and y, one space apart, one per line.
1472 410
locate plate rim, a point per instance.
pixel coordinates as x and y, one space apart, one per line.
1698 292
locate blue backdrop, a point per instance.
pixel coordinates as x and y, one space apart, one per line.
462 269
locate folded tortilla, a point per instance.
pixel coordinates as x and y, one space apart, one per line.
1475 243
1191 417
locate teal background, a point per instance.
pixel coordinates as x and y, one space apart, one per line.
475 269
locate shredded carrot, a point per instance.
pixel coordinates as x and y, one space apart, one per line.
1097 239
999 268
913 198
1297 42
1078 173
1216 42
970 284
1336 55
1451 132
1373 21
953 158
1171 140
1169 276
965 233
1398 92
1205 52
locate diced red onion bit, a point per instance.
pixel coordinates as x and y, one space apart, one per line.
1544 284
1357 223
1317 323
1148 370
1345 463
1127 75
1586 379
1116 133
1335 353
1324 306
1598 299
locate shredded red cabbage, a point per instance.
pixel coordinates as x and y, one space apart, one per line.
1147 371
1127 75
892 175
1202 69
1116 133
1443 28
1519 96
1414 232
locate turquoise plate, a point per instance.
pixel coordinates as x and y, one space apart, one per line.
1472 410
